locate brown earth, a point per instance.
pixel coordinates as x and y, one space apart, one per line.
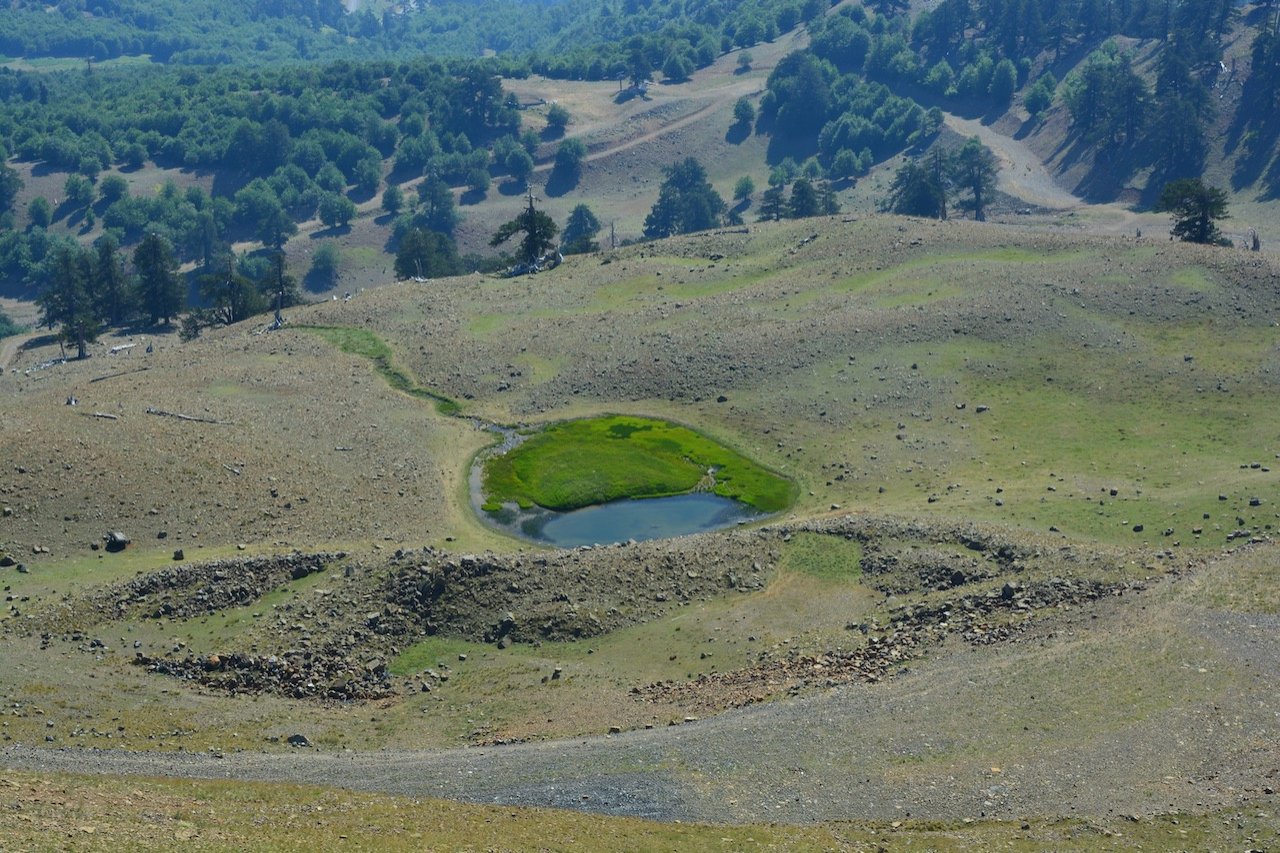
1002 649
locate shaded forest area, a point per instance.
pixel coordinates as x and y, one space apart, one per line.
298 110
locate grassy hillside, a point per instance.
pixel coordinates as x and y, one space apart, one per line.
1026 463
845 360
222 816
1025 595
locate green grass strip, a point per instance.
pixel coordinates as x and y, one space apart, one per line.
828 558
367 344
584 462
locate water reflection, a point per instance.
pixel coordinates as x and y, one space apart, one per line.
619 521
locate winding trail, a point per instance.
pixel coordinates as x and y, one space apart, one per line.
9 348
1022 174
885 751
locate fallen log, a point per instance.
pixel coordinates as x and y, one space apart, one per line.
152 410
121 373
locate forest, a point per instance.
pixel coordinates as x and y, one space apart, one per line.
300 110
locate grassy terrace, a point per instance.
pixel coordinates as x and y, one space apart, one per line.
580 463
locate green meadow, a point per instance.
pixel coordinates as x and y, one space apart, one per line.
579 463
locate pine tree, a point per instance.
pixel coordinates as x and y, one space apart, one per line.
438 211
65 301
771 204
973 169
579 231
111 296
426 254
918 190
539 233
232 296
159 288
1195 208
686 202
804 200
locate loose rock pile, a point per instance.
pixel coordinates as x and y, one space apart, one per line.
334 640
913 557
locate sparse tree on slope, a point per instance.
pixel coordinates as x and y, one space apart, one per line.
557 118
804 200
233 297
111 294
1195 208
159 288
686 202
973 169
539 233
771 204
392 199
426 254
437 212
918 190
65 301
579 231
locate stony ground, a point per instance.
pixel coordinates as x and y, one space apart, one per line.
928 743
1044 462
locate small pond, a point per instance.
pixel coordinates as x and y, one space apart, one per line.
651 518
613 522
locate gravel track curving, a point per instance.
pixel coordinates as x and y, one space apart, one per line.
899 749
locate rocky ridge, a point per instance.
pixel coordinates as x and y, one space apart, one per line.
335 638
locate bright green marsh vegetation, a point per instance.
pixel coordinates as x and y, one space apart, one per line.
584 462
367 344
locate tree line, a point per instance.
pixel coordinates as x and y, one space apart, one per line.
291 144
978 55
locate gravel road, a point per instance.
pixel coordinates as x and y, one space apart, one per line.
867 751
1022 174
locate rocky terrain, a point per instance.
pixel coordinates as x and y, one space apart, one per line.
1030 571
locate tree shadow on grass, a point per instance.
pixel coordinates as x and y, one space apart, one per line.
738 133
560 182
512 187
331 231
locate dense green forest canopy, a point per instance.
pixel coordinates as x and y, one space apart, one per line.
301 109
574 38
286 144
842 98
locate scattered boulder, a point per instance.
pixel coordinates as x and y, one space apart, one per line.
298 740
116 541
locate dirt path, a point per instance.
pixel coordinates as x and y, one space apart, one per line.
888 751
9 348
716 86
1022 175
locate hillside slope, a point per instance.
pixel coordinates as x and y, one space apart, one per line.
1033 544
